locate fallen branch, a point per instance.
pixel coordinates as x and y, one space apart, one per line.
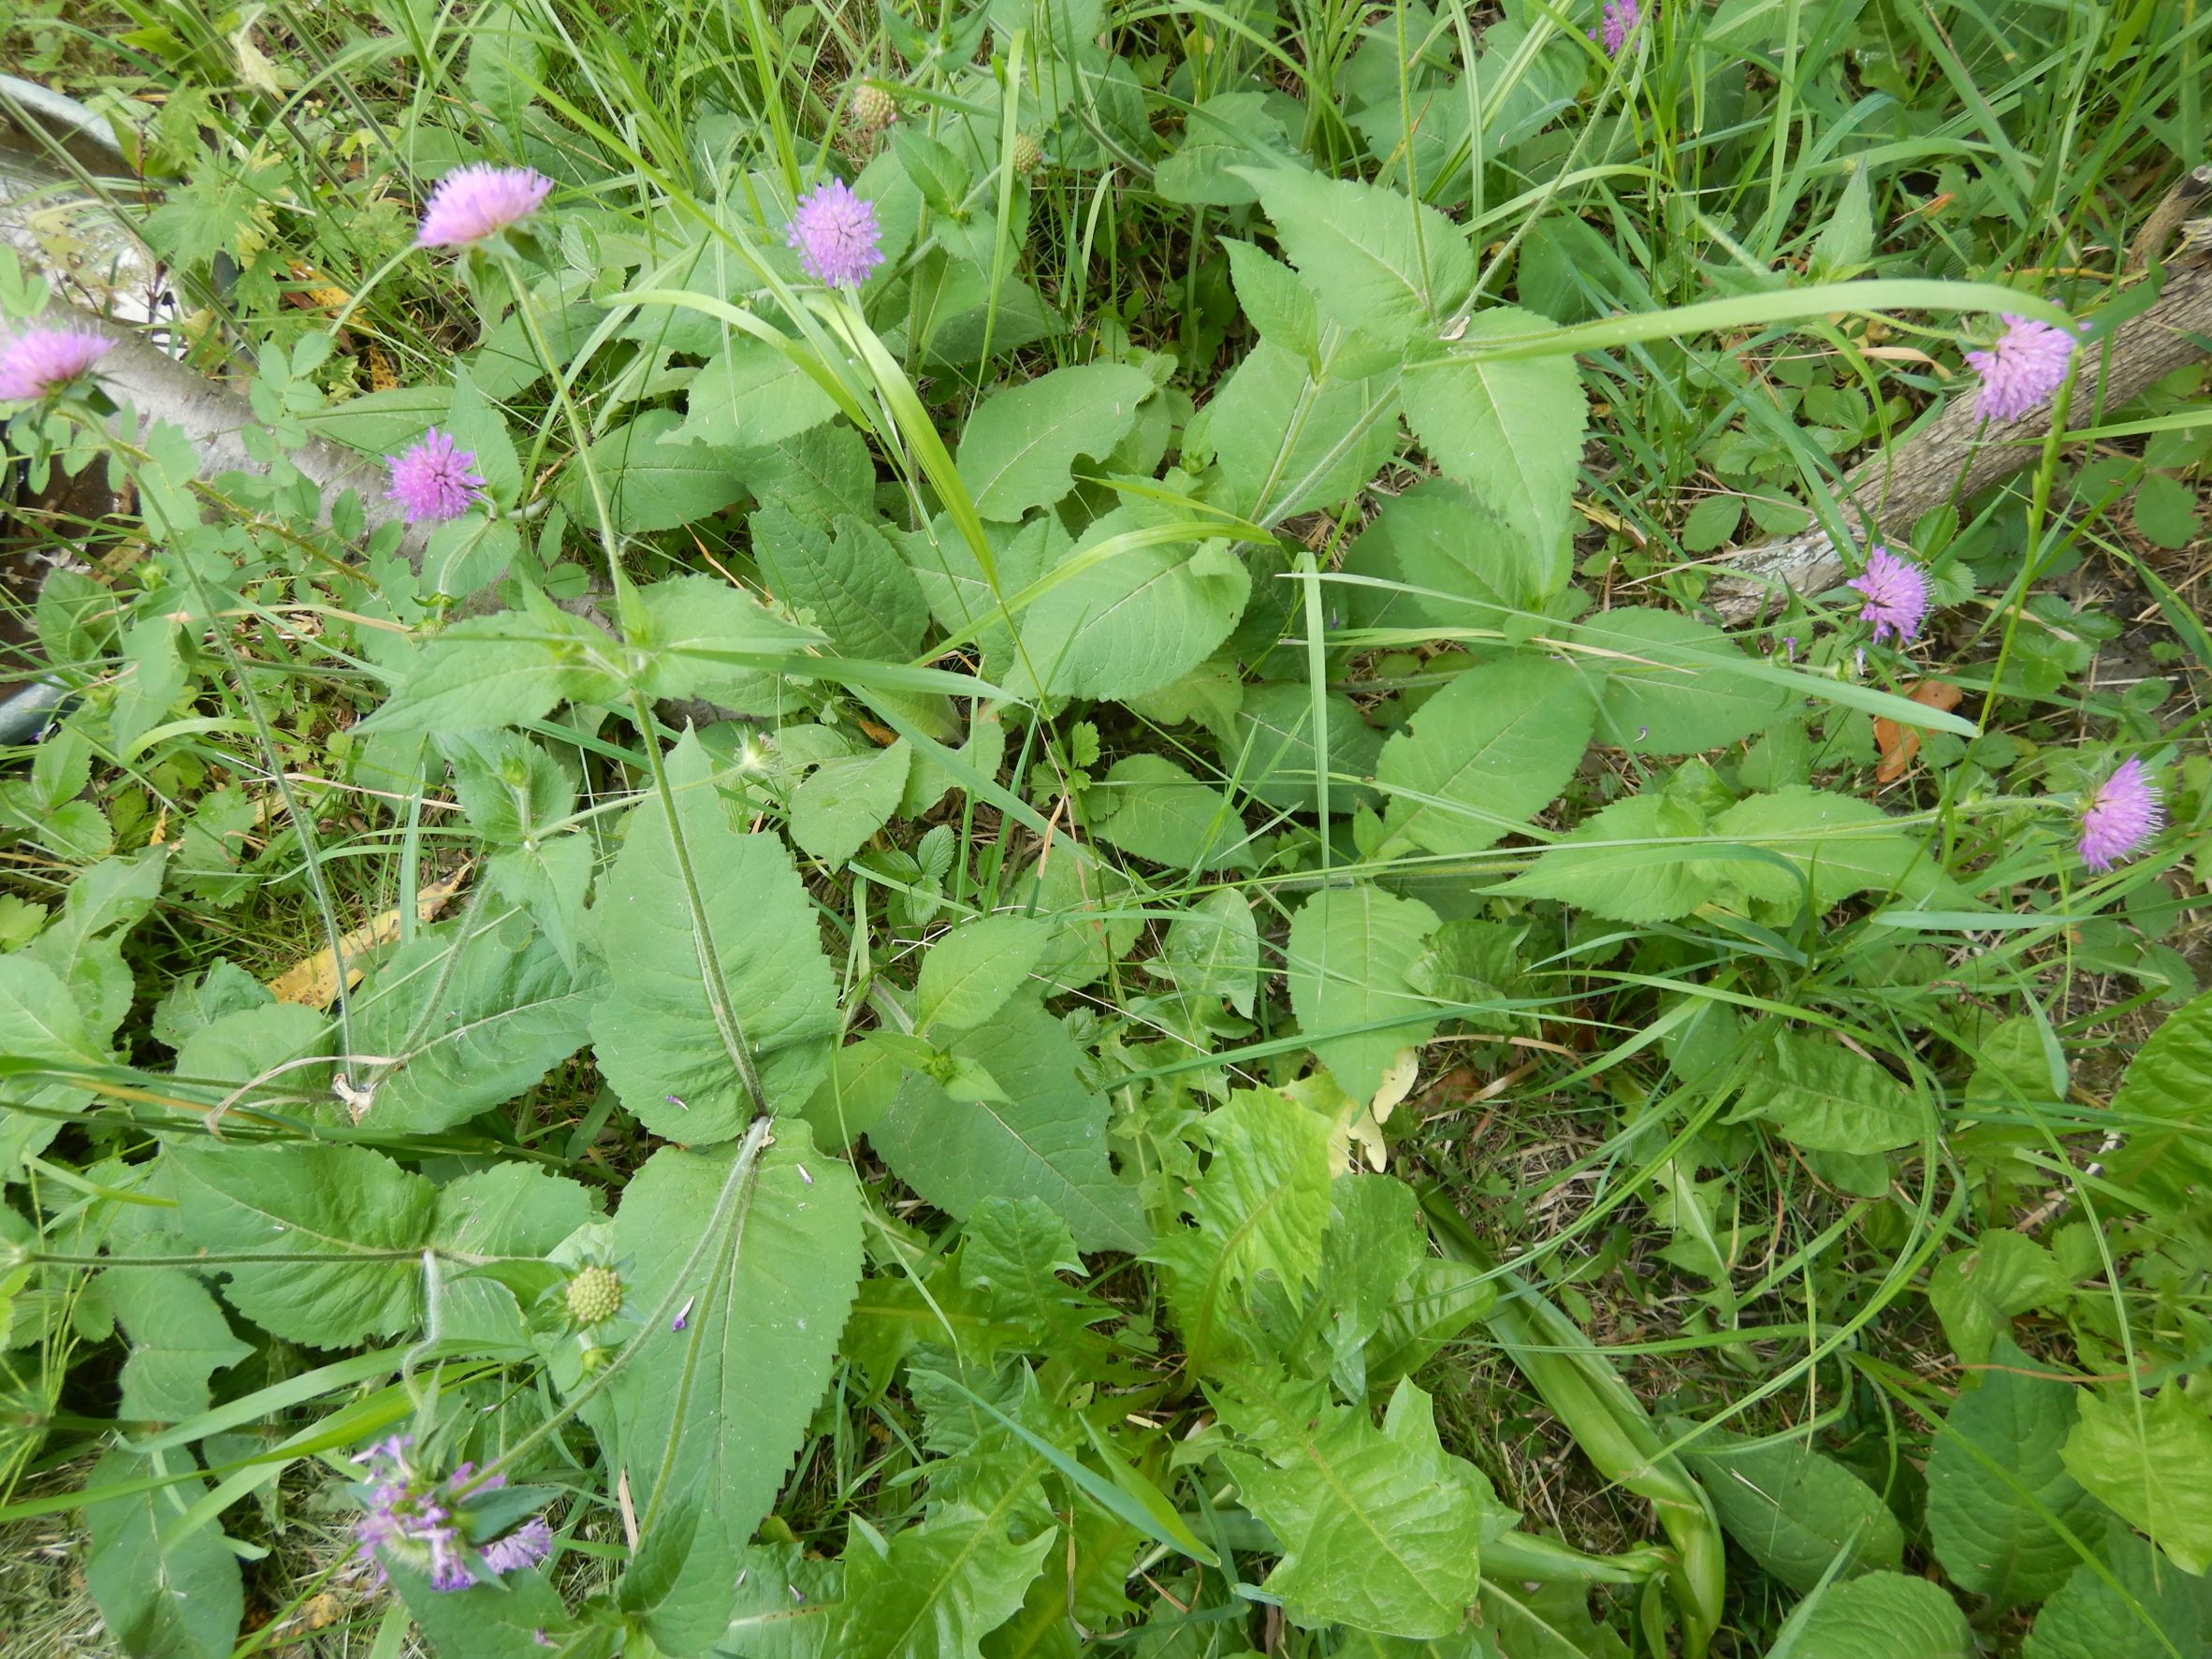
1956 454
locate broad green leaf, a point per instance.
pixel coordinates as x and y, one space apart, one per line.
1670 689
2165 1104
847 799
1485 754
1019 448
1836 845
1989 1523
1824 1097
178 1337
651 483
501 1620
1794 1509
749 396
656 1034
1469 562
1260 1208
848 577
1136 619
1348 957
1378 1530
2146 1460
1607 865
762 1269
1274 301
510 1210
468 1017
1229 130
2088 1619
1012 1250
787 1604
1976 1291
1269 752
1880 1616
1046 1140
1540 1620
935 1590
1373 1250
85 943
970 973
249 1043
1373 259
1212 949
495 671
1288 441
184 1602
1511 430
698 630
38 1020
1148 806
357 1218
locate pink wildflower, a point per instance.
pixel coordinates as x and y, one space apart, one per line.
433 481
835 233
1896 591
472 202
2124 813
410 1517
2027 364
39 361
1620 19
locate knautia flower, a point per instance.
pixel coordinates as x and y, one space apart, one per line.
40 362
2125 812
410 1518
1896 592
475 201
432 482
835 233
2027 364
1618 22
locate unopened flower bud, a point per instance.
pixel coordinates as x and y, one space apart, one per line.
594 1296
873 109
1028 155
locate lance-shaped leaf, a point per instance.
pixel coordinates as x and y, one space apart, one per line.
1349 951
182 1602
761 1256
934 1590
1019 449
1485 754
1373 259
665 1030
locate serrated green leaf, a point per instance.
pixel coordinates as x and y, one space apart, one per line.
1670 690
1269 753
360 1218
1134 614
1832 843
655 1033
1976 1292
717 1408
184 1602
38 1020
1378 1530
1794 1509
1212 949
1469 561
1373 259
936 1589
749 396
1609 865
1997 1529
465 1018
1511 430
1046 1140
1485 754
1019 448
698 632
846 800
1262 1208
495 671
848 576
968 973
2146 1460
2165 1102
1288 441
1349 951
1150 806
651 481
178 1337
1880 1616
1824 1097
2088 1619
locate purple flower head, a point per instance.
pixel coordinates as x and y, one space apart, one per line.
1896 591
1618 20
2027 364
2124 813
835 233
475 201
39 361
433 481
409 1516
